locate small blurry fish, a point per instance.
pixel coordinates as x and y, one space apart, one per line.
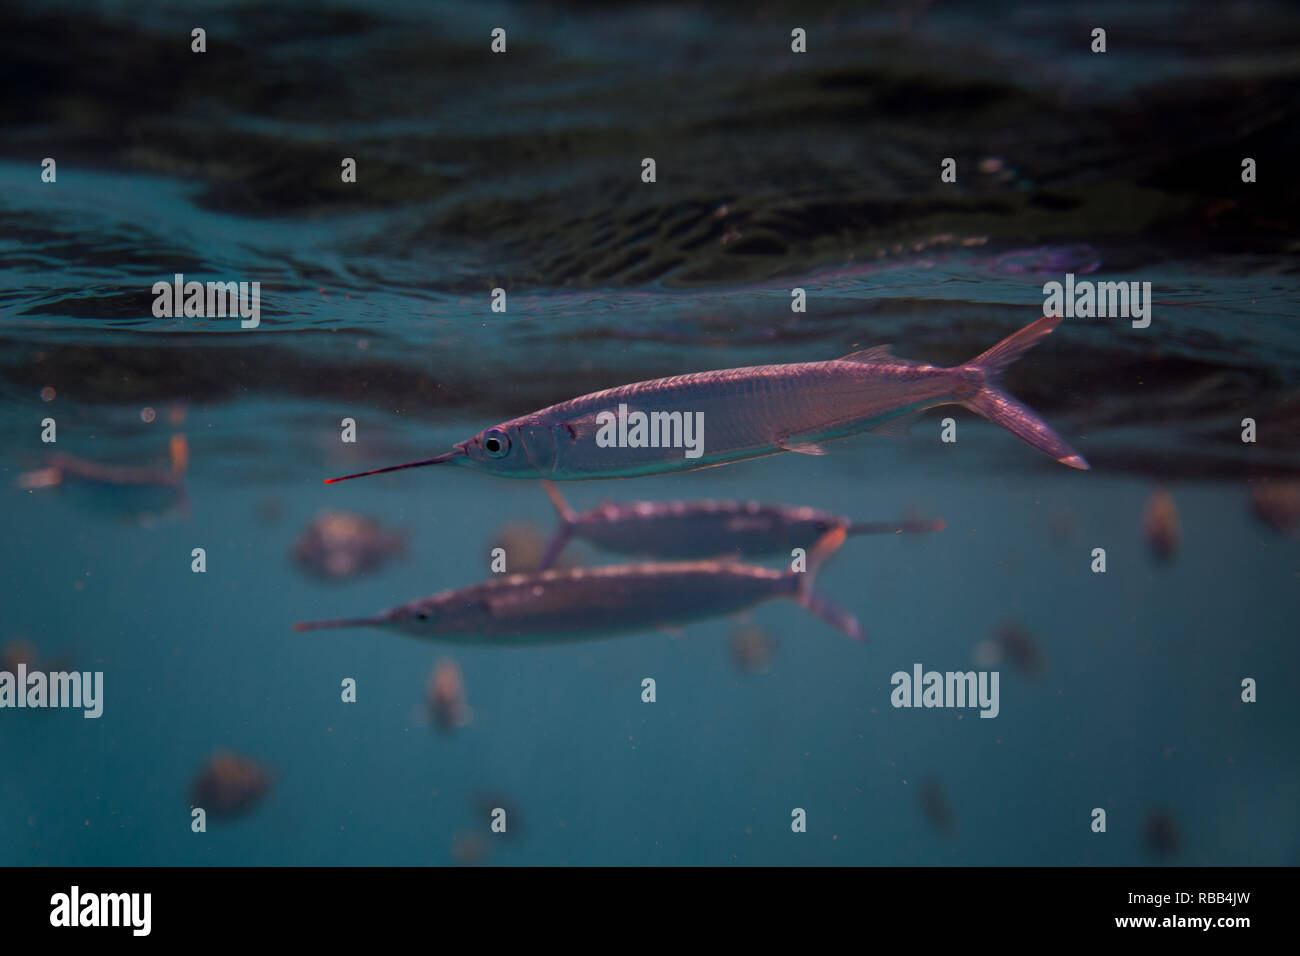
446 696
338 545
1160 526
751 649
705 529
469 849
1020 649
751 412
229 784
525 548
18 651
549 607
936 806
22 651
1161 835
138 492
1277 504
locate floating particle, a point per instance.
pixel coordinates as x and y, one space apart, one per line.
179 450
751 649
47 393
270 510
229 784
339 544
1060 526
936 806
1021 649
18 651
446 695
1277 504
1160 526
147 414
987 654
469 849
1161 835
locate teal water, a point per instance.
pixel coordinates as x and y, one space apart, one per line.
522 174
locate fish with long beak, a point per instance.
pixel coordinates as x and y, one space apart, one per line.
750 412
550 607
140 491
705 529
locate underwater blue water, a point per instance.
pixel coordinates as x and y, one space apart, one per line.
377 308
1138 708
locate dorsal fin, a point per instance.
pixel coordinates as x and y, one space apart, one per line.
876 355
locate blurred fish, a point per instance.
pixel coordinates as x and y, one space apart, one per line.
1277 504
751 412
22 651
751 649
1160 526
446 696
469 849
229 784
18 651
936 806
1161 835
1020 649
339 544
584 603
704 529
140 492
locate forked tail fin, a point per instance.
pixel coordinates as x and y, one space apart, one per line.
1001 409
807 596
179 452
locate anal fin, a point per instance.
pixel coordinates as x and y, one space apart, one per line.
897 427
802 447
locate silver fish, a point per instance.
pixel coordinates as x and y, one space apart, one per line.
130 491
750 412
704 529
583 603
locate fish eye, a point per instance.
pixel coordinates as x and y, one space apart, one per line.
422 616
496 443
